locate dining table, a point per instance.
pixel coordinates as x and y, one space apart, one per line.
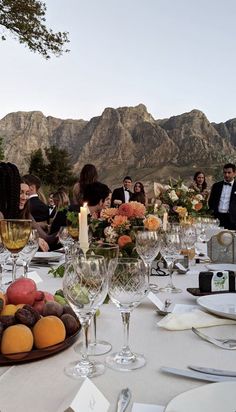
43 386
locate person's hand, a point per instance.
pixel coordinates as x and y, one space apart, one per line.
43 245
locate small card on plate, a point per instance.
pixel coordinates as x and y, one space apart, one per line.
145 407
88 399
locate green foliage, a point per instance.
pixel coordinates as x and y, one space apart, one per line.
37 164
1 149
59 169
72 217
25 21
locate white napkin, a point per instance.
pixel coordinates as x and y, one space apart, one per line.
196 318
142 407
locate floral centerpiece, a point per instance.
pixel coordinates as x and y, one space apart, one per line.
117 225
179 201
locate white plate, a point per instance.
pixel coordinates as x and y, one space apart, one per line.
220 304
222 266
47 256
217 397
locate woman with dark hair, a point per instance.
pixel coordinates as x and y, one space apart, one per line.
199 184
139 194
88 175
9 190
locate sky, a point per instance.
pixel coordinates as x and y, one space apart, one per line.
171 55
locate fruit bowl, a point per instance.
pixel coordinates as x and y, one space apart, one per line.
38 354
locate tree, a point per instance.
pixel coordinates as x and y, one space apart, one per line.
37 164
1 149
59 169
25 21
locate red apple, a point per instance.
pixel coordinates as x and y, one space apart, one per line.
22 290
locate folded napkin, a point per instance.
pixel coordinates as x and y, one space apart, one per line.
196 318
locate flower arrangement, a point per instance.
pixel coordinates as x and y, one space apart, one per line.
179 201
117 225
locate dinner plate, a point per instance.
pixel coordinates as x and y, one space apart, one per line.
223 305
222 266
47 256
217 397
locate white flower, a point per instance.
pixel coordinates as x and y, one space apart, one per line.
199 197
158 189
110 234
184 188
173 196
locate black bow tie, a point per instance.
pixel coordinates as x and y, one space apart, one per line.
127 190
227 184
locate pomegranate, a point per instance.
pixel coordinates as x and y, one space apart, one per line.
22 290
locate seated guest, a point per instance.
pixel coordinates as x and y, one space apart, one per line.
199 184
51 206
38 209
9 191
122 194
95 194
139 194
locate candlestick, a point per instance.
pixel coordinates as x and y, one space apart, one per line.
83 228
165 221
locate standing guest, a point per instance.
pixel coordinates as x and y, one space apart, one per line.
139 194
88 175
39 210
222 198
122 194
199 184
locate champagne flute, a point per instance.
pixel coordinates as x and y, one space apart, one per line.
85 286
128 285
148 245
108 251
28 252
15 234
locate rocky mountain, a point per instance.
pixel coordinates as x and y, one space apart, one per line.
126 140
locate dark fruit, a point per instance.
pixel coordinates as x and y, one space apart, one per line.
53 309
67 309
70 323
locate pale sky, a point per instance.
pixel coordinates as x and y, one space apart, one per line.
171 55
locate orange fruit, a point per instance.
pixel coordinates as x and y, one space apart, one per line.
48 331
9 310
124 240
17 339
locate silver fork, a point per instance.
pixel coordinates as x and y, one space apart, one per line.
123 400
229 344
164 311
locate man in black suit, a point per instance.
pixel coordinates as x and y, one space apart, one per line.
222 198
38 209
122 194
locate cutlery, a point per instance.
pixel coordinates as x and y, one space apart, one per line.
212 371
197 375
164 311
123 400
229 344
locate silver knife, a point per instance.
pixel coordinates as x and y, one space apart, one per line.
123 400
213 371
197 375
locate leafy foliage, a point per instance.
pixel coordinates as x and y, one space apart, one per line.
25 21
37 164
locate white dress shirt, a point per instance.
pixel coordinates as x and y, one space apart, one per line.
225 198
126 196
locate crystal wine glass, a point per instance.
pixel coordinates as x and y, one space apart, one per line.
85 286
148 245
108 251
66 240
170 248
28 252
188 235
15 234
128 285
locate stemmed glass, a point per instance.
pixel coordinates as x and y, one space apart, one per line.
15 234
170 248
128 285
66 240
148 245
85 286
188 236
28 252
108 251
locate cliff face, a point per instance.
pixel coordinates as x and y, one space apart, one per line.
121 141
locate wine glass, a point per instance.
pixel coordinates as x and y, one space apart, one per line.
15 234
170 248
85 286
28 252
188 236
148 245
108 251
128 285
66 240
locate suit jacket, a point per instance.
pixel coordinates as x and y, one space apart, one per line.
119 194
214 200
38 209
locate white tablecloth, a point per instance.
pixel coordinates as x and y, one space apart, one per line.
42 386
